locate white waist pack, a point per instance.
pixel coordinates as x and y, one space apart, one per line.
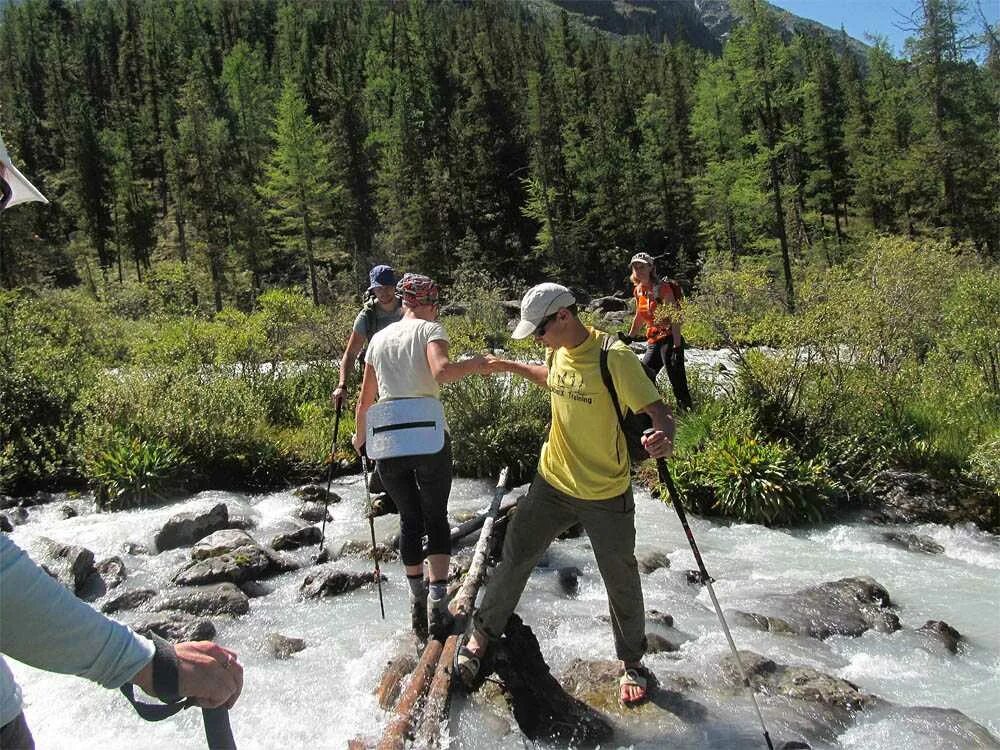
404 427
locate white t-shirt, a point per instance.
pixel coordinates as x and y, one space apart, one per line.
398 354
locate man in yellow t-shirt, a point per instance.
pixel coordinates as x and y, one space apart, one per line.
583 477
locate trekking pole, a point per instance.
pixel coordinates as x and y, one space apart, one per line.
667 480
329 473
371 525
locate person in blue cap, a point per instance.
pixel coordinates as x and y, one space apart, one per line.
381 309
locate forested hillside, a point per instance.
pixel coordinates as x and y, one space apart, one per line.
247 145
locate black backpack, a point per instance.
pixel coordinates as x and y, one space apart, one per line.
632 424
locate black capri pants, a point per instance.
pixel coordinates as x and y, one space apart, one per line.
420 486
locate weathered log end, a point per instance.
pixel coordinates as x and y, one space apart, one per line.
391 684
543 709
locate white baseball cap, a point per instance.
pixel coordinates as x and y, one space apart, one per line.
538 303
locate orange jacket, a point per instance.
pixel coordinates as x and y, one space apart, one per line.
645 307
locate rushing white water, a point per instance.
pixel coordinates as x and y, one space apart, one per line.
322 697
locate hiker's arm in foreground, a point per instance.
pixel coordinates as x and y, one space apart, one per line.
446 371
369 390
47 627
660 443
537 374
355 342
637 326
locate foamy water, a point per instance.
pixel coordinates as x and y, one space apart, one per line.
322 697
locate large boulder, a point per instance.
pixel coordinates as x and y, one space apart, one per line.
175 626
328 581
848 607
910 497
608 304
801 683
754 621
185 529
219 599
283 646
230 556
67 563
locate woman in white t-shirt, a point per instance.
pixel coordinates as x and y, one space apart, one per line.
409 359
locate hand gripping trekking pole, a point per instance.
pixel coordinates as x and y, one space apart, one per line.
668 482
371 525
329 473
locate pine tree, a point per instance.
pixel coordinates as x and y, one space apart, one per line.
296 186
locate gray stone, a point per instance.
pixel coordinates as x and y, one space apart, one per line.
754 621
185 529
657 644
608 304
326 581
246 563
313 512
311 493
943 632
848 607
656 617
175 626
255 589
222 542
304 537
220 599
17 516
135 548
801 683
241 521
5 524
283 646
67 511
6 501
358 548
569 579
125 600
911 497
112 570
69 564
652 560
913 542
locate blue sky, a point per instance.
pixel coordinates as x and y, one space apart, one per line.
881 17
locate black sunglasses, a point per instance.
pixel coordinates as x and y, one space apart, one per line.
544 324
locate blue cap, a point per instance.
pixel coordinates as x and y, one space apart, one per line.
381 276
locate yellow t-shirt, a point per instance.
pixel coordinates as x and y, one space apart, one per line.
585 454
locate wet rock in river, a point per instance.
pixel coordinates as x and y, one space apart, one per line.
69 564
231 556
303 537
175 626
848 607
910 497
314 493
327 581
657 644
283 646
754 621
135 548
125 600
569 579
652 560
942 632
219 599
313 512
67 511
185 529
255 589
913 542
802 683
107 575
359 548
17 516
656 617
5 523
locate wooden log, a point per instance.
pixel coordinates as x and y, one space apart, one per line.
431 718
391 683
435 709
399 728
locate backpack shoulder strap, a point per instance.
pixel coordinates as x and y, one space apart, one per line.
609 382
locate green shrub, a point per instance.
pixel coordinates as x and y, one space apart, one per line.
755 480
495 421
129 472
984 462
